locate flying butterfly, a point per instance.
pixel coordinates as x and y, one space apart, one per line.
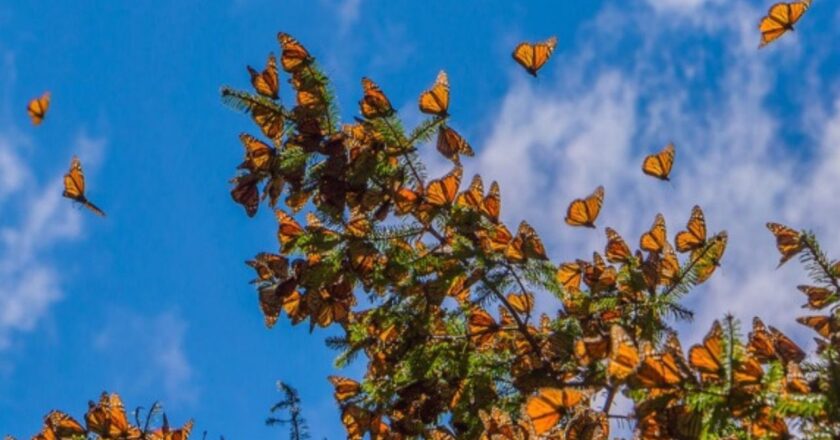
37 108
374 103
442 192
694 237
294 56
435 101
584 212
450 144
266 83
788 241
656 239
533 56
550 404
74 186
659 165
779 19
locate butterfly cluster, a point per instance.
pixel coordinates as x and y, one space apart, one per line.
107 420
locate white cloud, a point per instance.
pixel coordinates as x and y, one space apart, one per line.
593 116
150 353
35 219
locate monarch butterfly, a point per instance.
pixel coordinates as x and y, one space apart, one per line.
495 239
590 349
669 266
521 302
660 372
482 328
708 357
795 381
624 358
450 144
825 326
108 418
442 192
294 55
164 433
269 266
780 18
589 425
344 388
491 206
569 275
773 344
659 165
532 56
269 119
472 197
550 404
584 212
288 230
788 241
655 239
695 235
74 186
708 259
435 101
374 103
617 250
818 297
405 201
526 244
266 82
246 193
37 108
258 154
62 426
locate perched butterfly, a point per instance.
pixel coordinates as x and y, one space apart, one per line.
521 302
450 144
246 193
435 101
588 425
37 108
344 388
258 154
526 244
491 206
374 103
532 56
63 426
617 250
165 433
769 345
624 358
482 328
708 258
795 381
550 404
695 235
74 186
818 297
109 420
780 18
442 192
708 357
266 83
294 55
659 165
569 275
288 231
788 241
269 266
584 212
825 326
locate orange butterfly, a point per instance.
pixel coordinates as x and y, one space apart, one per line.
624 357
109 420
266 83
269 266
584 212
695 235
550 404
258 154
165 433
788 241
374 103
569 275
780 18
288 231
526 244
769 345
708 357
826 326
246 193
62 426
450 144
659 165
617 250
294 55
482 328
655 239
532 56
818 297
37 108
74 186
442 192
435 101
521 302
344 388
491 206
709 260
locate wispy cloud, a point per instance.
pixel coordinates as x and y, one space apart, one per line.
35 219
702 85
150 351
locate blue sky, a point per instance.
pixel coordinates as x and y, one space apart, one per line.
153 301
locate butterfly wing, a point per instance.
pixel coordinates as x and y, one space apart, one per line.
374 103
450 144
659 165
435 101
37 108
788 241
442 192
294 56
694 237
550 404
533 56
266 83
